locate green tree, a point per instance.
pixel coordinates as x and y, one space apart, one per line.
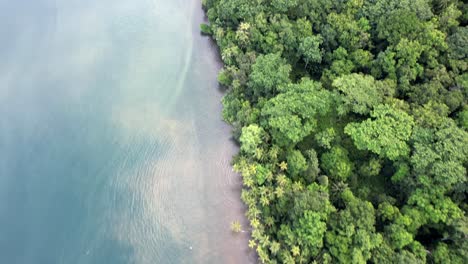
361 93
251 138
296 163
385 134
268 73
309 49
336 163
310 231
352 235
236 226
292 115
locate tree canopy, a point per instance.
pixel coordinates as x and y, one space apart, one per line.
352 120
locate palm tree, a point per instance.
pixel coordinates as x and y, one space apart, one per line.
283 166
264 200
281 179
262 255
236 226
252 243
295 251
254 223
252 212
297 186
274 153
269 176
252 169
259 154
275 247
338 187
287 258
246 197
248 181
264 240
279 191
256 234
262 190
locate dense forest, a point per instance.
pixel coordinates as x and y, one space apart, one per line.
352 119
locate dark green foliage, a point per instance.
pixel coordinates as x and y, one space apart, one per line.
457 43
352 119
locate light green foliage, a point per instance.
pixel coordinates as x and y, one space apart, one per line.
307 219
205 29
314 198
231 11
324 138
296 162
243 34
312 166
398 235
268 73
440 149
386 134
407 257
361 93
380 8
310 231
434 206
236 226
449 17
251 138
293 114
388 211
362 59
402 171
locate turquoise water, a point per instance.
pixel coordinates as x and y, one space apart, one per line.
112 149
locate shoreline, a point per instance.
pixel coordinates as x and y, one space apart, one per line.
238 240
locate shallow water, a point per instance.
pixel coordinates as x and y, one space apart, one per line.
112 149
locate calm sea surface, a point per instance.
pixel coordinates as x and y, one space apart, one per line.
112 149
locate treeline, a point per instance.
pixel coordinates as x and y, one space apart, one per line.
352 118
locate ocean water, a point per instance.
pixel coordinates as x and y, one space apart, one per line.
112 147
